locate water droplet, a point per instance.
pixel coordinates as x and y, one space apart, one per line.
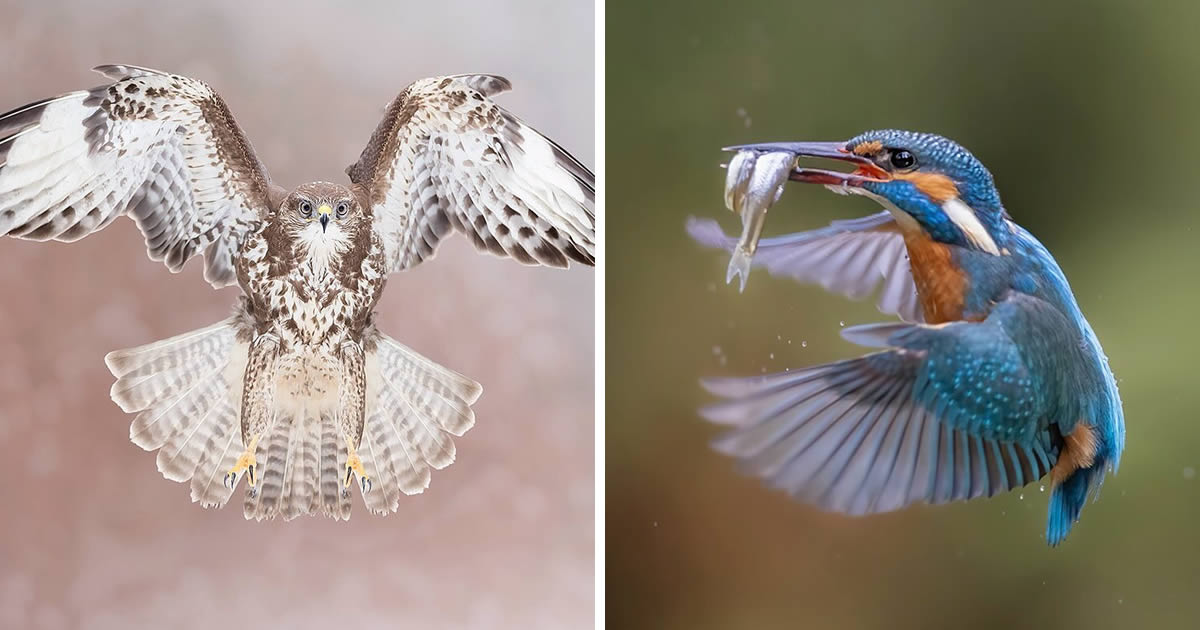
1042 488
723 359
1189 473
1021 496
842 324
803 344
656 523
772 355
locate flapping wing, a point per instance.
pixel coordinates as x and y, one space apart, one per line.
446 156
943 413
853 257
160 147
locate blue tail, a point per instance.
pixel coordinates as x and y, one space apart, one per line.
1066 502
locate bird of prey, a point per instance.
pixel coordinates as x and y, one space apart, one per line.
298 393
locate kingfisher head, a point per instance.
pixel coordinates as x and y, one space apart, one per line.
926 181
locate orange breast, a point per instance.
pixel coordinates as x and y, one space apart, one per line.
941 285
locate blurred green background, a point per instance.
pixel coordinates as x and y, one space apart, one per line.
1088 116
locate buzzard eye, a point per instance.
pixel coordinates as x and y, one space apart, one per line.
903 159
342 208
306 208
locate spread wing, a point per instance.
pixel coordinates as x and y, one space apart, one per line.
853 257
160 147
446 156
943 413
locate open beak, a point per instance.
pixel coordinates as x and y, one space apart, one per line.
866 170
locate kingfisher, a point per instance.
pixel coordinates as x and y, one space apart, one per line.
992 379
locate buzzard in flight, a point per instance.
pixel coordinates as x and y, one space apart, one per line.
297 392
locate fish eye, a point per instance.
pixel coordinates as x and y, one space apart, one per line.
903 159
342 209
306 208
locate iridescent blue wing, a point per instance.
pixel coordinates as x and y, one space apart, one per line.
946 413
853 257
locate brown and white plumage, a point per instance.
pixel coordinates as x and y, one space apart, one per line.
297 391
445 156
160 147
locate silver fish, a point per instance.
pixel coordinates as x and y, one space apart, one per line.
753 183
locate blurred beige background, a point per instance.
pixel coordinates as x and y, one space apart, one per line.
92 536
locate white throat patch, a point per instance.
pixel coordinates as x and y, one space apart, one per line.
322 246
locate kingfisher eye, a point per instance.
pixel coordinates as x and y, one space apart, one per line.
903 159
342 209
306 208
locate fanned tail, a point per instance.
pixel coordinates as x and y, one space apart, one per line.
417 408
183 391
414 408
186 392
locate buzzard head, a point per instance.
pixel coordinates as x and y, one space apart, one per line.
324 220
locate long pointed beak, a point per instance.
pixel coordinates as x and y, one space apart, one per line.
324 222
866 171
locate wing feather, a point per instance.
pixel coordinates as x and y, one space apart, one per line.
447 157
853 257
162 148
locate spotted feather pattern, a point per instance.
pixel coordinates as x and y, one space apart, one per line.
446 156
158 147
945 413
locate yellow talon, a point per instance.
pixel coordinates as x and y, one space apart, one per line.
247 462
354 466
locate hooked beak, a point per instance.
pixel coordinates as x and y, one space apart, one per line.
323 214
866 171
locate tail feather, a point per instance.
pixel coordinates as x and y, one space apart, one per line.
220 452
171 382
180 455
419 408
334 502
186 394
385 496
264 501
301 478
1066 502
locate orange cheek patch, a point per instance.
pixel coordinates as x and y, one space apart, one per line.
936 186
941 284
